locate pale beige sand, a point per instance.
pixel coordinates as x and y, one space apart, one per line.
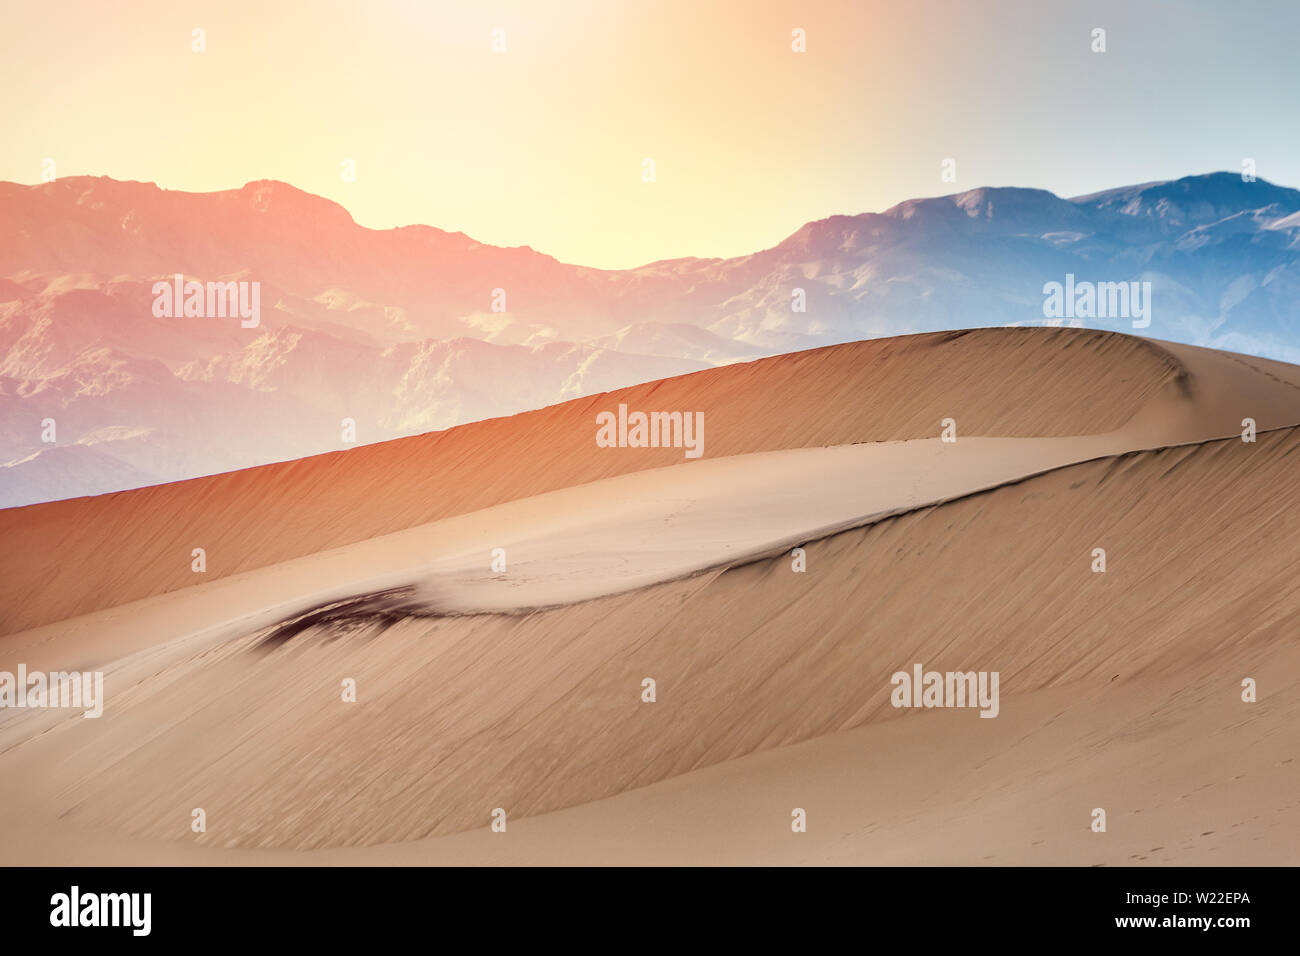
542 712
1182 784
585 542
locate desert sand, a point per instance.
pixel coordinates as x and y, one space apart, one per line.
522 689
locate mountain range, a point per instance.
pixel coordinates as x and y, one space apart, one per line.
414 329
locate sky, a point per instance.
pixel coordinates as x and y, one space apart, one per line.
545 144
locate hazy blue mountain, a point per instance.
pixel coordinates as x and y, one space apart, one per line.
411 329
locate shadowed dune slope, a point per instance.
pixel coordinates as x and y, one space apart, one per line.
66 558
543 711
1187 772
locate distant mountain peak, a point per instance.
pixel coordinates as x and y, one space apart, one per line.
1194 200
273 196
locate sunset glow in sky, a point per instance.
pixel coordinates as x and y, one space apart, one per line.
542 145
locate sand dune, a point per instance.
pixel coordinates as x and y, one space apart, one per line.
773 686
71 557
